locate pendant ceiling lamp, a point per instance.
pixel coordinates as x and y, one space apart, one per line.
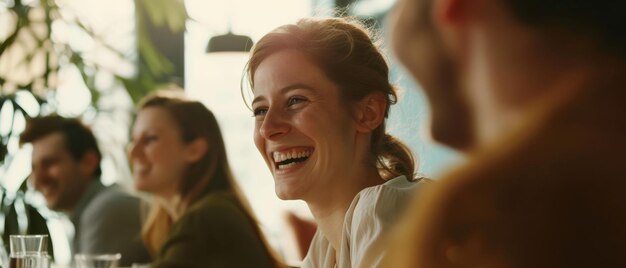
229 42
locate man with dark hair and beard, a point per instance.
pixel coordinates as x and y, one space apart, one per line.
533 92
66 171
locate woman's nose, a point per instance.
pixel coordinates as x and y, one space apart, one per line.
131 149
274 125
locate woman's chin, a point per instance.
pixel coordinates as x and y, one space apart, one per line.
287 194
141 187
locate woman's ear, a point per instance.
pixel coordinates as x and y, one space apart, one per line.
197 149
370 112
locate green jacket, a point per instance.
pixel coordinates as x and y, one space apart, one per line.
214 232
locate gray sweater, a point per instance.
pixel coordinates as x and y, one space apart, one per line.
107 220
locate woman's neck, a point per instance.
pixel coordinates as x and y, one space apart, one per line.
172 205
330 209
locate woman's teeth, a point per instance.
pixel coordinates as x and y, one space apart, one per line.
281 156
288 159
287 165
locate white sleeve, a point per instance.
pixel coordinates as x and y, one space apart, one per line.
374 212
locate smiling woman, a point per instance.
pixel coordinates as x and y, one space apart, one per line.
321 95
306 117
199 218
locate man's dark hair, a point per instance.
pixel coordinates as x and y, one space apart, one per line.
78 138
601 20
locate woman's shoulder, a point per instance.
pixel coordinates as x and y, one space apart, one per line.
385 201
212 203
220 205
220 228
216 215
215 199
371 215
398 188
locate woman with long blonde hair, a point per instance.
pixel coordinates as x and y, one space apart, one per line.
198 218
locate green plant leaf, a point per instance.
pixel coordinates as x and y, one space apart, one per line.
171 13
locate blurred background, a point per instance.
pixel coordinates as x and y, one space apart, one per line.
95 59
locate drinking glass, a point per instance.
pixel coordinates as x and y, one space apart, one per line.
29 251
97 260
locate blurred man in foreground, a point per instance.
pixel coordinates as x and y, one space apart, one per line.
66 170
534 92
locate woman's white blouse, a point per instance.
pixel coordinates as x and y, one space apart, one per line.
372 213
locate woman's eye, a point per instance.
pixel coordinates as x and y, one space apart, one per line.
259 112
295 100
150 138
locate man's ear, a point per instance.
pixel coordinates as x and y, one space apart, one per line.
196 149
452 18
451 11
89 163
370 112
